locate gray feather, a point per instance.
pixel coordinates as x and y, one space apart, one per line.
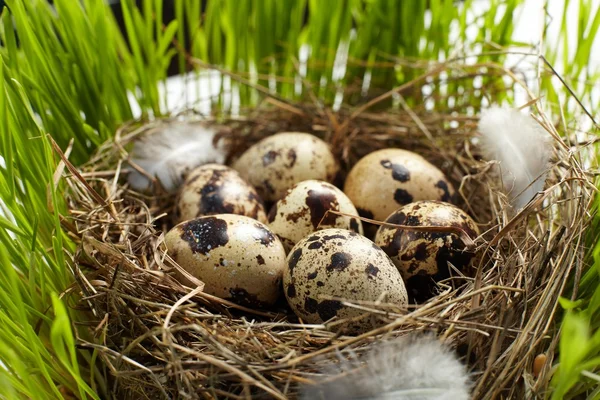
521 146
170 151
407 368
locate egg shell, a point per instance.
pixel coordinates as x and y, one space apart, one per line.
384 180
217 189
237 257
278 162
341 264
422 257
303 209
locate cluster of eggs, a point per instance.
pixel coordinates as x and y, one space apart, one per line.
311 244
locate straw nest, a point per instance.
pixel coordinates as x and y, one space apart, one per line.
158 339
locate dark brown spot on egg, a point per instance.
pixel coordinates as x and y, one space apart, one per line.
260 259
399 172
313 238
397 218
269 157
315 245
319 202
253 197
371 270
331 237
421 252
339 261
320 284
444 186
402 196
312 275
242 297
291 290
328 309
310 305
413 220
272 213
413 266
294 260
212 200
294 217
392 246
263 235
291 155
354 225
205 234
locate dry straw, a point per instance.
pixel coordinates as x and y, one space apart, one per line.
158 339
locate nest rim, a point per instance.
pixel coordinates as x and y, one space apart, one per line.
109 264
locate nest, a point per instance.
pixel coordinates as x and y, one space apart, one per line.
158 339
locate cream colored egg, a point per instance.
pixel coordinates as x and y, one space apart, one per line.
304 208
423 258
344 265
384 180
217 189
237 257
278 162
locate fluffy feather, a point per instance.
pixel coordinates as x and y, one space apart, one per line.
521 146
172 150
408 368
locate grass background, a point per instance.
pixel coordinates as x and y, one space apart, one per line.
68 77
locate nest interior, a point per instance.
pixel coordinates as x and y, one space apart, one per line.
158 339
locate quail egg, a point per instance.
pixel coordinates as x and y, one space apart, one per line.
344 265
303 210
237 257
277 162
423 257
217 189
384 180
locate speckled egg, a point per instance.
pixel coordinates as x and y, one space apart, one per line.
422 257
237 257
217 189
278 162
341 264
384 180
302 211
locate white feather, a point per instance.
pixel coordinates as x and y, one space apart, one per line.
407 368
170 151
521 146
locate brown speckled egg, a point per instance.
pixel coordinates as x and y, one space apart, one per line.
278 162
342 264
237 257
422 257
302 209
384 180
217 189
